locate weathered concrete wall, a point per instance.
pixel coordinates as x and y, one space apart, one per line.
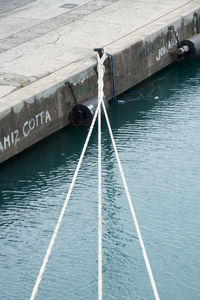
150 54
34 117
43 107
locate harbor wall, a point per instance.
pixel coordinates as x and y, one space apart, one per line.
34 112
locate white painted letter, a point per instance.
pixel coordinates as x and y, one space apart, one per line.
12 137
41 115
24 132
32 124
17 138
6 140
158 57
1 146
48 117
169 45
36 117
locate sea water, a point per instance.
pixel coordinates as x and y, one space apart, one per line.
159 146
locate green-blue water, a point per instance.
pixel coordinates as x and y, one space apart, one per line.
159 146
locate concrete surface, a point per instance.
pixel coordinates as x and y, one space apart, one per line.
11 4
43 43
44 36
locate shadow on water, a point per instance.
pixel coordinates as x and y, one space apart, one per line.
63 148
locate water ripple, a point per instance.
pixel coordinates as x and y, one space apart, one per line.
158 143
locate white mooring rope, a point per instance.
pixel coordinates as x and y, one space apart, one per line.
99 210
153 284
101 70
53 238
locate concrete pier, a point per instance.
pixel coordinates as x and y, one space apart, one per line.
44 43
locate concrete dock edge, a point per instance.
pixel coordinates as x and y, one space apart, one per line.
41 108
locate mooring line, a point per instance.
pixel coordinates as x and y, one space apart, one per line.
153 284
101 70
53 238
139 95
99 209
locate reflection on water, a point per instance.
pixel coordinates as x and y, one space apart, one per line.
159 144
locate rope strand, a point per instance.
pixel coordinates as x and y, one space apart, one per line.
132 209
101 70
53 238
